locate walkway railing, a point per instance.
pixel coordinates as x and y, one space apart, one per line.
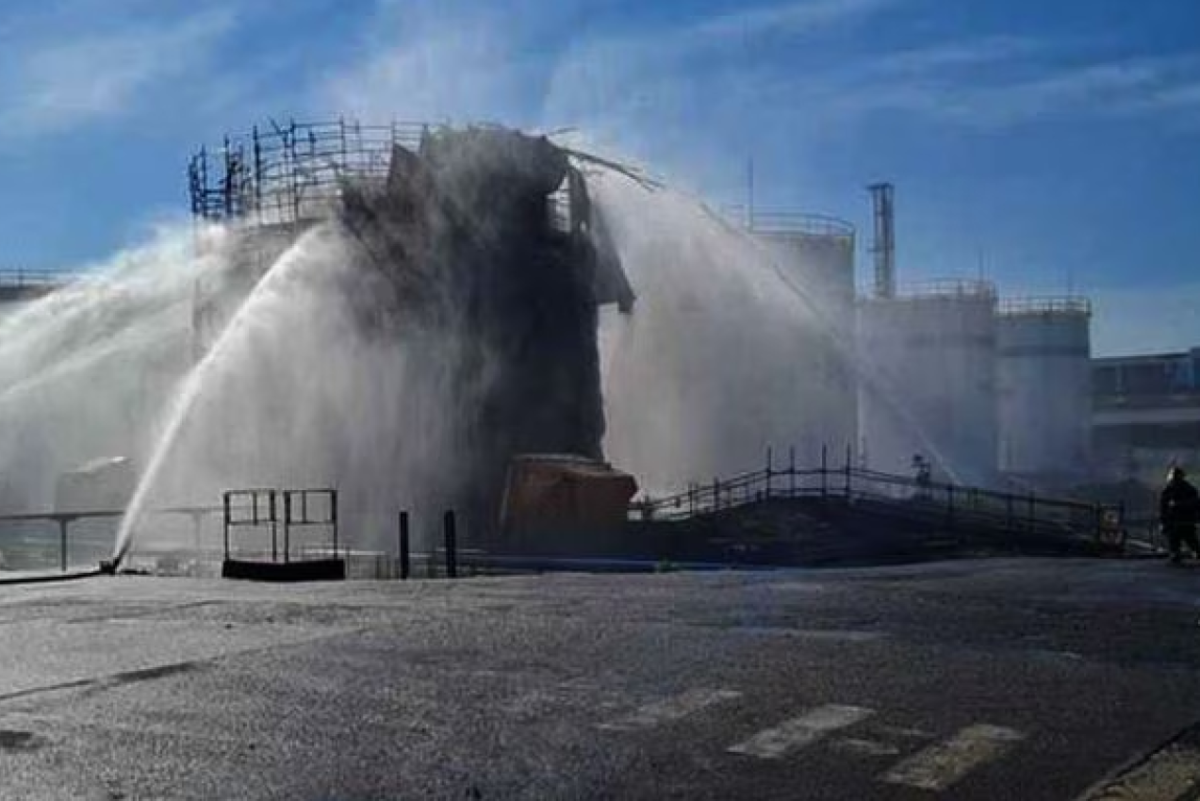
950 506
17 278
26 544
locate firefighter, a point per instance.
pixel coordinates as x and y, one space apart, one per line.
1178 506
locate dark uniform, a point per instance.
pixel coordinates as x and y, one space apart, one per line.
1178 506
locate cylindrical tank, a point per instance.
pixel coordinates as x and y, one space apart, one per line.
928 381
817 253
1044 385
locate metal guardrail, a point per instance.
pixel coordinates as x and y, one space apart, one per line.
63 521
801 223
21 279
947 288
298 512
791 222
1066 304
250 508
950 505
258 508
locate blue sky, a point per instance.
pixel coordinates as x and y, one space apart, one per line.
1041 144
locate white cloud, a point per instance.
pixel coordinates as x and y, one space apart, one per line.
787 19
697 95
1001 82
1098 88
63 79
484 65
466 73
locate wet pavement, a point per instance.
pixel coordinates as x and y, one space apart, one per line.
982 679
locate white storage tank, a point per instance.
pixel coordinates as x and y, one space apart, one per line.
928 381
1044 384
818 254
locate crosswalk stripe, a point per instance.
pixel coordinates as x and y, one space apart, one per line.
801 731
865 747
944 763
1167 775
672 709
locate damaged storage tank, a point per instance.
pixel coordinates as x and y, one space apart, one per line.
481 239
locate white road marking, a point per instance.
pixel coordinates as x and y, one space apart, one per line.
672 709
801 731
942 764
865 747
1167 775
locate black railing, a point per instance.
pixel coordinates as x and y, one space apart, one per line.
288 512
28 546
34 279
951 506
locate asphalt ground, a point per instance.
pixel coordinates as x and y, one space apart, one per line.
982 679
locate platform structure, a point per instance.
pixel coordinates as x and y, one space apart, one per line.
281 535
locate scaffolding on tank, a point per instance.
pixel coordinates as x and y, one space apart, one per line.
290 173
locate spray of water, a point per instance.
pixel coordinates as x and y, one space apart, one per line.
84 370
709 370
269 290
725 354
305 387
731 350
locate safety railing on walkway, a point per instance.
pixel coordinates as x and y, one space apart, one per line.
65 540
21 279
950 506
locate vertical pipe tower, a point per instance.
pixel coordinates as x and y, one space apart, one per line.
884 245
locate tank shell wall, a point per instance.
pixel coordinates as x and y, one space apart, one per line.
821 265
929 384
1044 386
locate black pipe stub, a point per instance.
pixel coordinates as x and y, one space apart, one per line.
108 567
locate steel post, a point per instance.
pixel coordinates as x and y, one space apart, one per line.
404 545
62 543
333 515
226 504
287 525
451 536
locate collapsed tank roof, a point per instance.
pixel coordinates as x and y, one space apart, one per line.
484 237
